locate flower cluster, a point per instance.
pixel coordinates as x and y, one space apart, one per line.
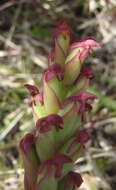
59 111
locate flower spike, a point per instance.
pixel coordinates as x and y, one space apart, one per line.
60 111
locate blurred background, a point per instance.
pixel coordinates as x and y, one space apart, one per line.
26 28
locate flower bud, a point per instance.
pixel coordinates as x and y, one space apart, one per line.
53 92
62 42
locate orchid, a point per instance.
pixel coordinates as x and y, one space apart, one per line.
60 111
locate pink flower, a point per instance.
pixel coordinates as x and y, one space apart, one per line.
84 96
81 138
58 161
36 96
36 99
85 43
86 46
85 72
39 98
46 124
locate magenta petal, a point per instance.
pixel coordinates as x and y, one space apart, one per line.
83 137
86 43
43 125
32 89
88 107
69 100
86 72
59 161
84 96
26 142
55 120
54 70
46 124
39 98
49 75
74 180
57 70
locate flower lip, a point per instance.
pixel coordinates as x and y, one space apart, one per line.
46 124
43 125
84 96
58 161
85 43
62 28
39 98
49 75
55 119
83 137
74 180
86 72
26 142
32 89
